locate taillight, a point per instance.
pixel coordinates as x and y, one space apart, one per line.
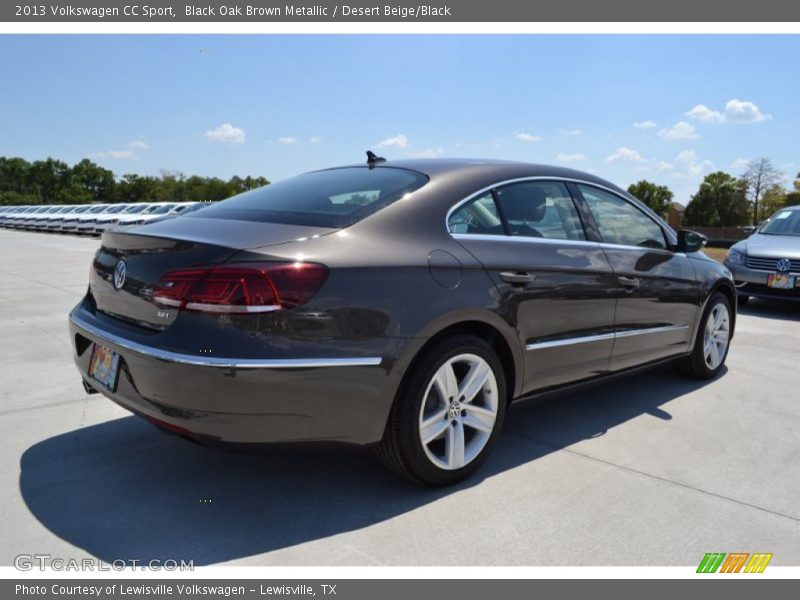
242 288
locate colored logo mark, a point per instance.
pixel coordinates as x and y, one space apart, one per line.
735 562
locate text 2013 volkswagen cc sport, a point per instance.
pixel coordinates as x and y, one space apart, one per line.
402 304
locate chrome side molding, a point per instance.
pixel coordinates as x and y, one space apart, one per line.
603 336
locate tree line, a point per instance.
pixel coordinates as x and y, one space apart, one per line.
52 181
724 200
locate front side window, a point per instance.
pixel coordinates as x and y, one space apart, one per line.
620 222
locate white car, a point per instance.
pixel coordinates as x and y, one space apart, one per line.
107 218
85 221
150 212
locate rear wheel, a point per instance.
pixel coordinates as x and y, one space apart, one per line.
712 341
448 413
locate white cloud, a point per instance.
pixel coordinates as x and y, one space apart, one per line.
116 154
645 124
427 153
226 133
740 164
690 164
288 140
743 111
562 157
736 111
702 113
571 132
314 140
680 131
528 137
139 144
127 154
663 165
625 154
398 141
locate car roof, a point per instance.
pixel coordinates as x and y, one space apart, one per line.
491 169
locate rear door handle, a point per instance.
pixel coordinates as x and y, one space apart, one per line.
629 283
517 277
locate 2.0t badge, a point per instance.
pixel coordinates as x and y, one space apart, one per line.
120 272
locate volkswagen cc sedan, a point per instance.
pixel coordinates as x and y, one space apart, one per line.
767 264
401 304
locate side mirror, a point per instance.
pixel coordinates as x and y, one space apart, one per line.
690 241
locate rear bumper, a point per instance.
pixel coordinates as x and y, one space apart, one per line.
242 401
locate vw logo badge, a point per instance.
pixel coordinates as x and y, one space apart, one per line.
120 272
784 264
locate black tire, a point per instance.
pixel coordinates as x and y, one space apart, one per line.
401 449
694 365
742 300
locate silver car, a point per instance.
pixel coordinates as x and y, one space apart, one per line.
767 264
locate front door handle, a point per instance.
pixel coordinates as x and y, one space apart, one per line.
629 283
517 277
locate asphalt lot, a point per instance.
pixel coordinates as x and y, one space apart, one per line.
651 470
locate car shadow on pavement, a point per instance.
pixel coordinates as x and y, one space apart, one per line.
120 490
786 310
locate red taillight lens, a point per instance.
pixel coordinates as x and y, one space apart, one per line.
247 288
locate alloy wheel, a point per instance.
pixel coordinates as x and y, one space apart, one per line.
459 411
717 334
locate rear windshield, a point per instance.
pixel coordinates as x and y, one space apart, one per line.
333 198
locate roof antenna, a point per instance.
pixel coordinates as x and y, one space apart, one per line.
373 159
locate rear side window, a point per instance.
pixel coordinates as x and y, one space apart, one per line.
537 209
333 198
540 209
479 216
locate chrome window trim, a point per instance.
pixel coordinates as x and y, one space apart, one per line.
230 363
668 231
483 237
603 336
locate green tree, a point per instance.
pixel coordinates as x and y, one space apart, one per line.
97 181
138 188
657 197
721 201
773 200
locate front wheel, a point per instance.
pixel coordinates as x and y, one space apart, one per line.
712 341
448 413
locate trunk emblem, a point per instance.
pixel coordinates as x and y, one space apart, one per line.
120 272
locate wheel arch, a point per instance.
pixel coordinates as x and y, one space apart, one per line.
725 287
488 327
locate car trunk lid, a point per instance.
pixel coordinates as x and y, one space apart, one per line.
129 263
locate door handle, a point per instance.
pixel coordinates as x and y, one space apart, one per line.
517 277
629 283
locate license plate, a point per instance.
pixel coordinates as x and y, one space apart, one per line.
780 281
104 366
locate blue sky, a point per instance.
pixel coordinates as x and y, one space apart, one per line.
665 108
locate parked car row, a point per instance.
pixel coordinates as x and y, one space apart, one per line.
90 219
